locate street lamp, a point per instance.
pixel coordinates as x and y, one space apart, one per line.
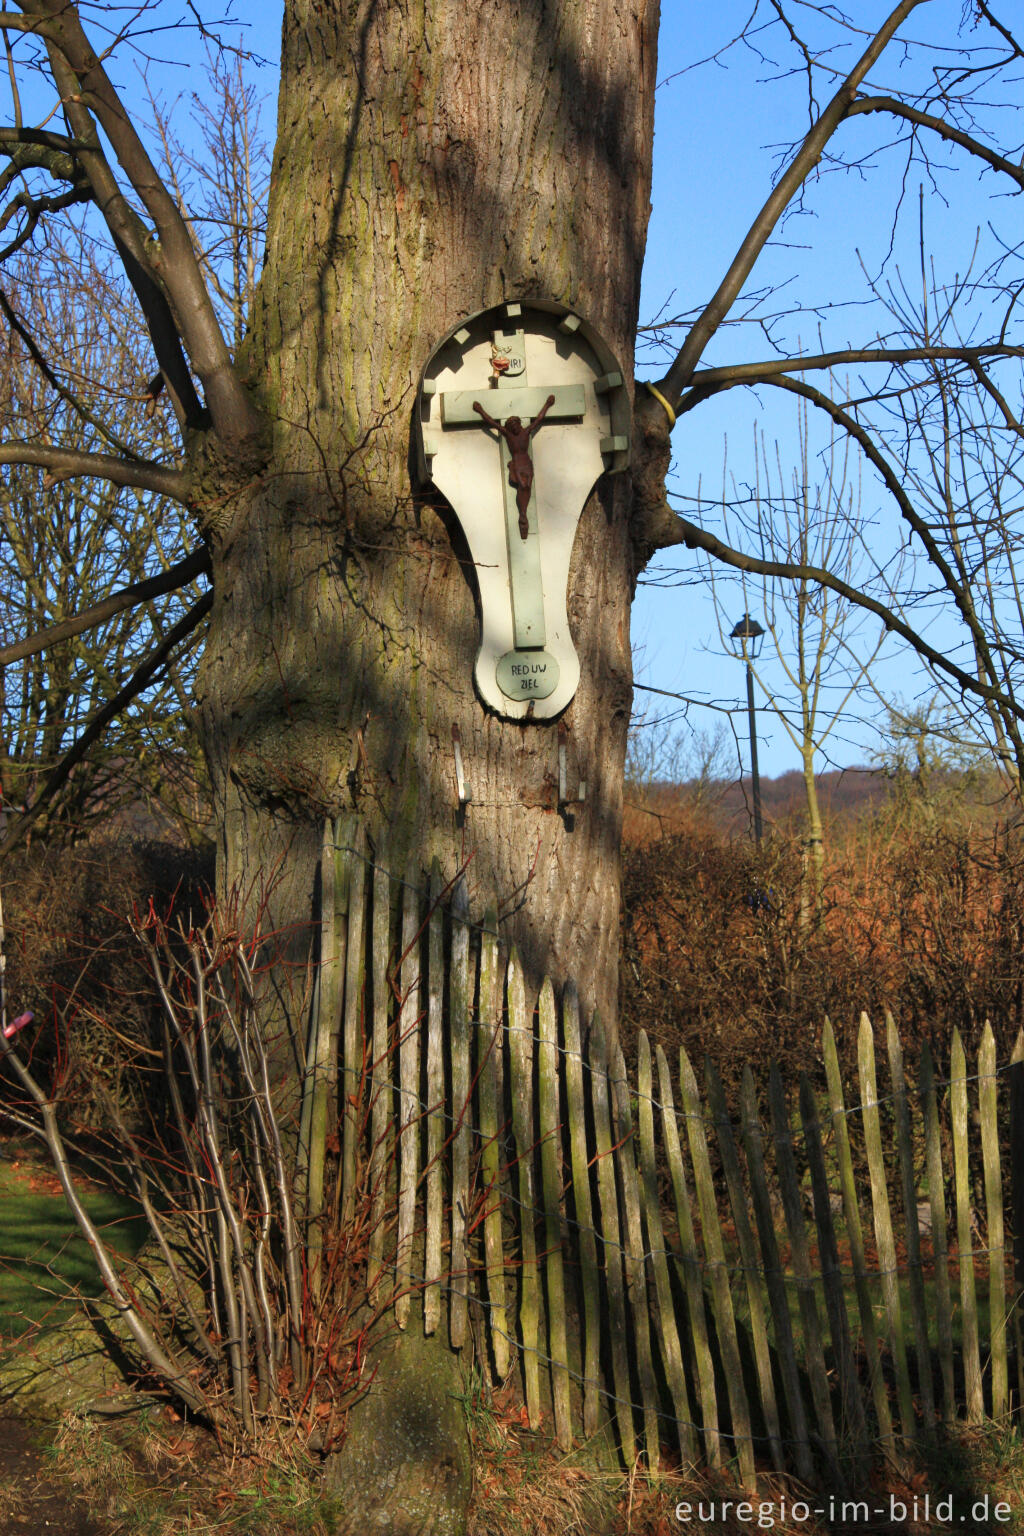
751 636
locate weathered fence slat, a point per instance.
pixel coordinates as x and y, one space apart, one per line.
488 1044
915 1277
551 1190
520 1039
1017 1202
753 1146
671 1350
321 1049
789 1189
352 1044
381 1111
748 1258
435 1106
884 1240
654 1346
937 1212
690 1265
721 1295
590 1279
973 1393
459 1023
855 1237
633 1257
409 1109
611 1241
993 1220
852 1428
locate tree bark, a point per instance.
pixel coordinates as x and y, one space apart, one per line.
431 161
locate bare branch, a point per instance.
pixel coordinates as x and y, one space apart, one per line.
171 1370
136 684
63 463
132 241
36 354
694 537
938 125
911 516
196 564
171 258
800 167
1004 32
772 367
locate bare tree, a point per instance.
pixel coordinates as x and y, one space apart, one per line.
818 658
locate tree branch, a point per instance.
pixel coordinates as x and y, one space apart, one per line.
751 373
938 125
196 564
35 352
64 463
911 516
803 162
131 239
172 258
136 684
694 537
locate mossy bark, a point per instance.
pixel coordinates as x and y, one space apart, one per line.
407 1453
430 161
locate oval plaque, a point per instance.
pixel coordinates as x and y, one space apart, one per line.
527 674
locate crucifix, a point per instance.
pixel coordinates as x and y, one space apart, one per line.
503 407
521 410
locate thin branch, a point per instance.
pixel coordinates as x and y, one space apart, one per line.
983 10
132 241
960 595
196 564
938 125
170 1370
694 537
772 367
802 164
78 406
172 258
65 463
136 684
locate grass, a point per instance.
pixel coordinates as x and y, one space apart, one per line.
44 1260
154 1476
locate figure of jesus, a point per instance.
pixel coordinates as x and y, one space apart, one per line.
520 468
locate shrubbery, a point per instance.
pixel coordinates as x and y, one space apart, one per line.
922 915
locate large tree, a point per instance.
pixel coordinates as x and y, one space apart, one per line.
431 161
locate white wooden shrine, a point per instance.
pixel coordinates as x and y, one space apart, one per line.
521 409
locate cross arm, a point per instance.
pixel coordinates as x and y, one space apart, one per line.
457 405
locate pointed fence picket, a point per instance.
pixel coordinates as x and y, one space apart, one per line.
698 1275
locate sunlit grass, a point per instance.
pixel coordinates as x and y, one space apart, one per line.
44 1259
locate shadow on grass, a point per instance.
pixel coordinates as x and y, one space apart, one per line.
44 1260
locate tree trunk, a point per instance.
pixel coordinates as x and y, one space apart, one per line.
427 166
431 161
814 846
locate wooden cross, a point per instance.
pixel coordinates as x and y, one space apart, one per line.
512 395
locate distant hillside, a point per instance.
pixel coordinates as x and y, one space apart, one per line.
845 795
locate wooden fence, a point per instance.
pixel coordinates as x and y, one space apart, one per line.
796 1286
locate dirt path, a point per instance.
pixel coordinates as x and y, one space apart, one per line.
29 1506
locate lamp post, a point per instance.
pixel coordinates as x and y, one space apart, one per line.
750 635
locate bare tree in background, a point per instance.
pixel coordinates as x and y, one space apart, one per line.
804 516
70 545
